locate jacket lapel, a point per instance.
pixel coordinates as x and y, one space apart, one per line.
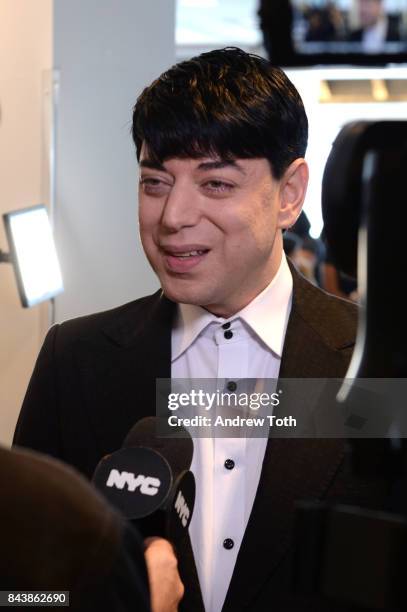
292 468
133 350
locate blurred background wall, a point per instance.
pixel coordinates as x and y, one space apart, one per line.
106 52
25 52
102 54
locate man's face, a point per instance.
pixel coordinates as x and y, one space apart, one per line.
210 229
369 12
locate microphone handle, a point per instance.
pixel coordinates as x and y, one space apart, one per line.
172 519
154 524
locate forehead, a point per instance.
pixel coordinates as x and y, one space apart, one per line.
242 166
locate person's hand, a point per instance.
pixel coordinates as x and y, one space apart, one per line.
166 587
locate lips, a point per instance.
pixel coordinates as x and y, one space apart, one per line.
184 255
182 258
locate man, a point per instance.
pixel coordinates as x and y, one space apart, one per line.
58 534
221 141
376 28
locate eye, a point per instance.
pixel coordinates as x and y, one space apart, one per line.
218 186
153 185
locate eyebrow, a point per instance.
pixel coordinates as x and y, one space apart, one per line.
206 166
219 164
154 165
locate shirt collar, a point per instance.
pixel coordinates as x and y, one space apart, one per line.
267 315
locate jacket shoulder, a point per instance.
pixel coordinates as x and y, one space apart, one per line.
98 320
121 323
332 318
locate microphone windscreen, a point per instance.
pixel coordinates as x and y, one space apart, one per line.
177 451
137 481
180 507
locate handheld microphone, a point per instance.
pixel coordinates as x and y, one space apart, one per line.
149 481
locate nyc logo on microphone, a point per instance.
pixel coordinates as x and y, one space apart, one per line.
136 480
148 485
182 509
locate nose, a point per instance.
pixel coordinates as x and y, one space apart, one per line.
180 209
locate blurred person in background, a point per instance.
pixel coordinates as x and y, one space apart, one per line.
305 258
376 27
58 534
291 243
336 282
305 252
275 22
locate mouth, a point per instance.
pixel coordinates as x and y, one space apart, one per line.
183 259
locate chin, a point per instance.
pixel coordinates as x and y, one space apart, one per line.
184 296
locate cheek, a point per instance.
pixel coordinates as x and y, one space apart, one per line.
149 218
146 231
261 227
233 232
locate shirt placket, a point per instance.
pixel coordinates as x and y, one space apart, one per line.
229 463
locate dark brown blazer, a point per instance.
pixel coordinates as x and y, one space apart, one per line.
95 377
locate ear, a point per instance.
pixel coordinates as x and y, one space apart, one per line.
293 187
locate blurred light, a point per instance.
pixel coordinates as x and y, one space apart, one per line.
33 254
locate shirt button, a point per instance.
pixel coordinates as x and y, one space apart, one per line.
226 325
229 464
231 386
228 334
228 543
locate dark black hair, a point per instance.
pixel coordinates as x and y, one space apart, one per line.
224 103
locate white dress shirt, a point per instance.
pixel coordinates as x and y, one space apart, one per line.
224 497
374 38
